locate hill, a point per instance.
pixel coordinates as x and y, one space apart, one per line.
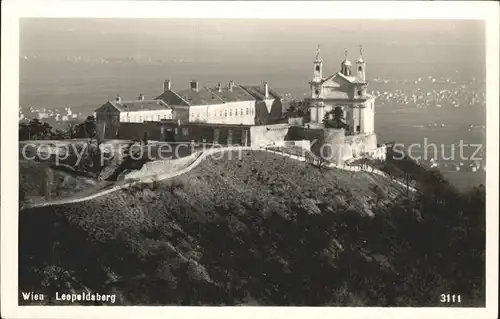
261 230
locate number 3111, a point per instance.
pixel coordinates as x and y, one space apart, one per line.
449 298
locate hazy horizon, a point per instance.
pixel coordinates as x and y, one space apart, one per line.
263 42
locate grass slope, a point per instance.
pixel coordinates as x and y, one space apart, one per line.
260 230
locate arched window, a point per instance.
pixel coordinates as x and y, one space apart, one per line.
317 68
230 112
360 68
241 112
236 112
225 113
247 110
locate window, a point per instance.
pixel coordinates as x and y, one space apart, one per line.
359 93
165 116
317 67
220 113
230 112
185 131
140 118
316 92
360 68
236 112
241 112
158 117
225 113
176 130
247 110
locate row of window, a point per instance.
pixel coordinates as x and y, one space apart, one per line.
224 113
156 117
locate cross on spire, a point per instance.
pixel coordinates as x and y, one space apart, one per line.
345 53
361 50
318 57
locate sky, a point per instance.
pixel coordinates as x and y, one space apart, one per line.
268 42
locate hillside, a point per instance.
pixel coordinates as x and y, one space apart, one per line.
260 230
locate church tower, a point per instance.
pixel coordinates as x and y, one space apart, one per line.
317 75
318 67
345 66
361 66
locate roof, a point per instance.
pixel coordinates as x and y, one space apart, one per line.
203 96
350 79
235 95
140 105
210 96
172 98
257 91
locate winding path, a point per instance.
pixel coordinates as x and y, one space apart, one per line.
198 157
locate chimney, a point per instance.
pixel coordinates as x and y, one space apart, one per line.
266 89
141 97
118 99
194 85
219 87
231 85
167 85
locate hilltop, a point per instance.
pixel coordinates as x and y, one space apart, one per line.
259 230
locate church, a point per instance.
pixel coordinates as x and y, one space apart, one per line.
347 89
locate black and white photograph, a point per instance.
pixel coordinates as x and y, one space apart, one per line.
277 163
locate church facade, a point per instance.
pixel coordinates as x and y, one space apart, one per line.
346 89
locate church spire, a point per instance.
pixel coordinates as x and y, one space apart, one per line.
318 67
361 66
318 56
361 58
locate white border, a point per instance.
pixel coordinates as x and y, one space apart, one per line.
13 10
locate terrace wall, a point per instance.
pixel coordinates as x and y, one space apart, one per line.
173 132
266 135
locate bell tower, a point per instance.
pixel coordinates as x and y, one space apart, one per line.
318 67
361 66
317 76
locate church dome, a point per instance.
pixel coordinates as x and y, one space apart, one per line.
346 63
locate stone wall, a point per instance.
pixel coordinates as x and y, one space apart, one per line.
266 135
173 132
358 145
327 143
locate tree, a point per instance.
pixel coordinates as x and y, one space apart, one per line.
46 130
297 109
335 119
379 193
35 129
78 131
90 127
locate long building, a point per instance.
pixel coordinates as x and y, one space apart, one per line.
229 105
